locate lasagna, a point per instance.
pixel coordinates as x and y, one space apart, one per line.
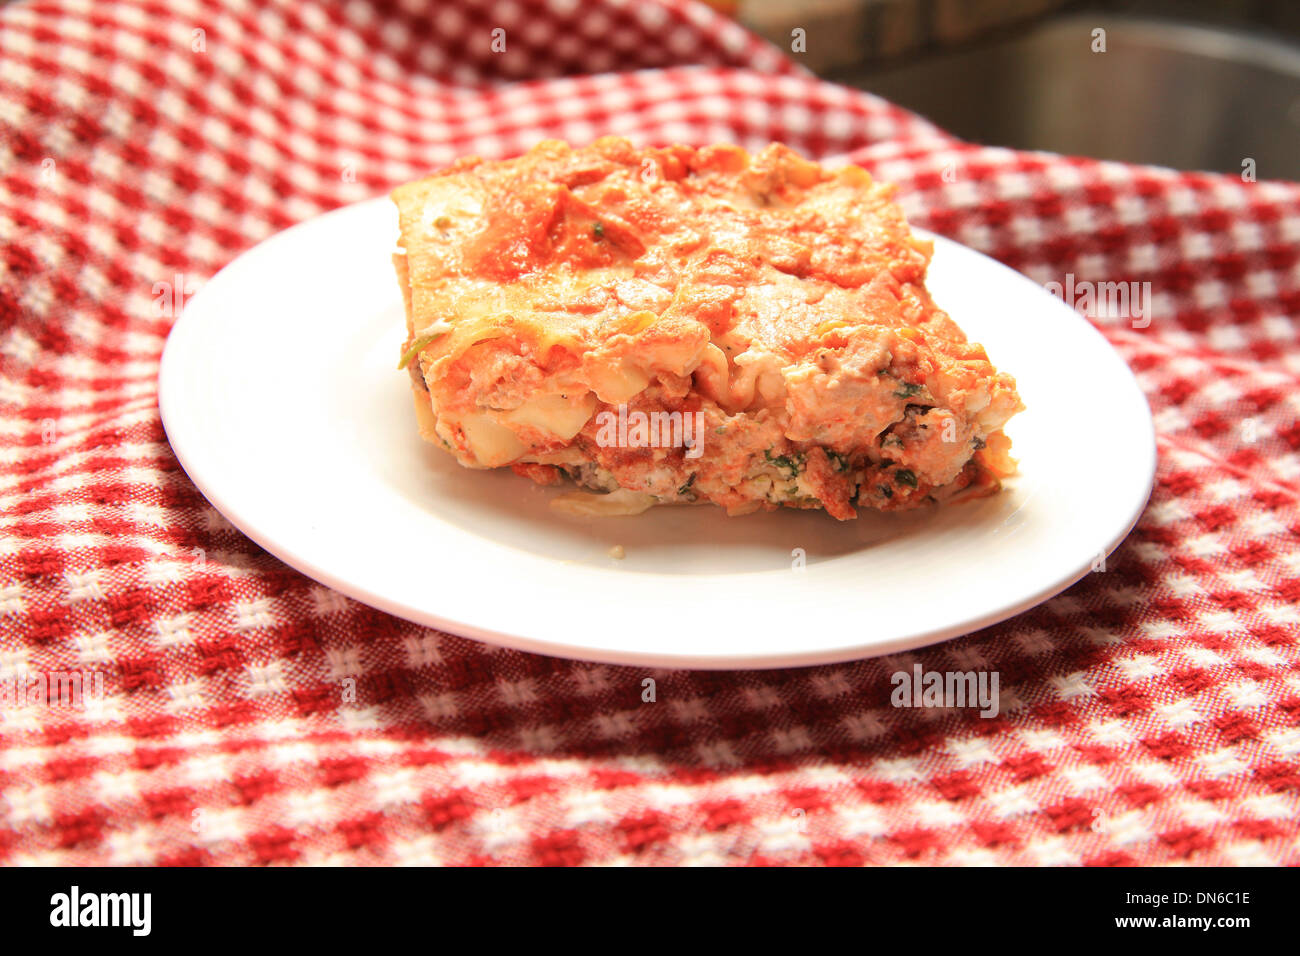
683 325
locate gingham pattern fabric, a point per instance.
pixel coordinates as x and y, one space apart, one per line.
1151 714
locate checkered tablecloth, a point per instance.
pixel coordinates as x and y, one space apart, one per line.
1151 714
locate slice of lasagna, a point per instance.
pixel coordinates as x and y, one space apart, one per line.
687 325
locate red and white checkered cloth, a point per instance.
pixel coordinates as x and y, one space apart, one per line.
1151 714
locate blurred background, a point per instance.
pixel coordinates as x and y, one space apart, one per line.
1191 84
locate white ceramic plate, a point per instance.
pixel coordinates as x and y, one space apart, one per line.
279 394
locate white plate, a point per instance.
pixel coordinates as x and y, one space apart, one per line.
280 397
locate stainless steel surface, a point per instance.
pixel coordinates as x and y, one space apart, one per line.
1165 93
